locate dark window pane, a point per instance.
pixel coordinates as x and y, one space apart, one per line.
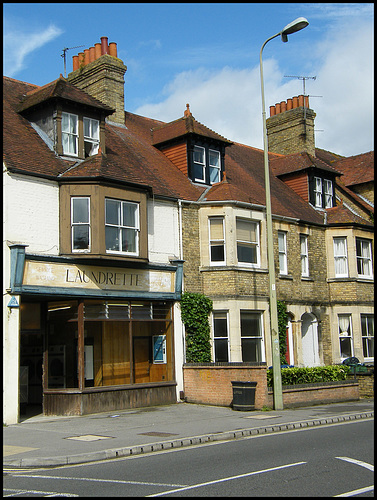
251 350
221 350
112 238
80 237
220 327
246 253
112 212
217 253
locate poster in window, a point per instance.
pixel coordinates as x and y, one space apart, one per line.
159 348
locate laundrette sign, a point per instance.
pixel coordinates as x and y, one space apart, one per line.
89 277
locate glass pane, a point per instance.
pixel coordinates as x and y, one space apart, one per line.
345 347
72 144
80 208
216 229
87 127
220 325
95 129
250 325
129 237
221 350
246 253
80 237
198 172
73 124
217 253
129 214
112 238
214 158
251 350
281 240
198 155
142 310
246 231
65 122
112 212
214 175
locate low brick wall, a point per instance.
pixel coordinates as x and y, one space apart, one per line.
211 383
315 394
366 383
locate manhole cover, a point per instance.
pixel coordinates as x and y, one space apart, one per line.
159 434
88 437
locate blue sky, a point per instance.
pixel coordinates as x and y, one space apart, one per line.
207 55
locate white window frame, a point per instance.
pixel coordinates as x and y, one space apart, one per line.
259 337
254 244
78 224
304 255
122 226
364 260
93 137
282 245
318 192
328 193
200 149
217 337
340 259
216 241
72 136
367 335
214 168
345 332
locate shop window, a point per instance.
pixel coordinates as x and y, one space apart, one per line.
30 316
122 227
367 332
345 335
220 336
340 257
251 337
80 224
216 240
247 234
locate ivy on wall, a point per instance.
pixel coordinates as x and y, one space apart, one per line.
282 327
195 310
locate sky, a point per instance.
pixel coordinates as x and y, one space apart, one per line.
207 55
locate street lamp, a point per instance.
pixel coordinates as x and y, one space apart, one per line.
296 25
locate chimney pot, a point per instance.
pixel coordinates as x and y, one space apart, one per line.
272 111
289 104
81 57
97 50
86 56
104 45
307 101
75 62
113 49
278 108
301 100
295 102
283 106
92 54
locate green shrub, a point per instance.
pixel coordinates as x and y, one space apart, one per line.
195 309
293 376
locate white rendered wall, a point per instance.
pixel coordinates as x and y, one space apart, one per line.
163 231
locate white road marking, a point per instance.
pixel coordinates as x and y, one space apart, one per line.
14 493
356 492
357 462
230 478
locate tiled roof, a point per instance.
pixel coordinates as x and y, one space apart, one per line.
182 127
61 89
298 162
341 215
356 169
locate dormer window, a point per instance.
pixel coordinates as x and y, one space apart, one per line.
206 165
91 136
70 133
322 192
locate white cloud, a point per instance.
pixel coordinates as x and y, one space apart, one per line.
19 44
228 101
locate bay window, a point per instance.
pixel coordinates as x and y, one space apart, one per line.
247 235
251 336
80 224
364 257
340 257
367 333
220 334
345 335
122 227
216 240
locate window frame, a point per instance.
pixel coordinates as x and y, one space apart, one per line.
91 138
349 336
339 257
69 134
77 224
366 337
203 164
304 256
260 346
364 261
217 338
216 242
318 192
283 258
211 167
121 226
328 193
255 244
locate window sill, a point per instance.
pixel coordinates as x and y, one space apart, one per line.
306 278
285 276
358 280
233 268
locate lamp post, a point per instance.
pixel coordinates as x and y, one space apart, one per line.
296 25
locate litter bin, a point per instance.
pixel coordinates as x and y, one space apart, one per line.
244 395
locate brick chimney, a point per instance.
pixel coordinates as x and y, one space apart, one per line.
290 128
100 73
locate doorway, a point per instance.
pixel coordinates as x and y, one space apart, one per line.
309 340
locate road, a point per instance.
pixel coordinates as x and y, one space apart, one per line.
329 460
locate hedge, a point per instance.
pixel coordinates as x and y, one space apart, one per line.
293 376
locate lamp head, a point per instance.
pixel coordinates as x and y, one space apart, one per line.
296 25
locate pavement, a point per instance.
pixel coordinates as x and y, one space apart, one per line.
42 441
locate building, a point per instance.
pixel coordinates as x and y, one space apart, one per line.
109 216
